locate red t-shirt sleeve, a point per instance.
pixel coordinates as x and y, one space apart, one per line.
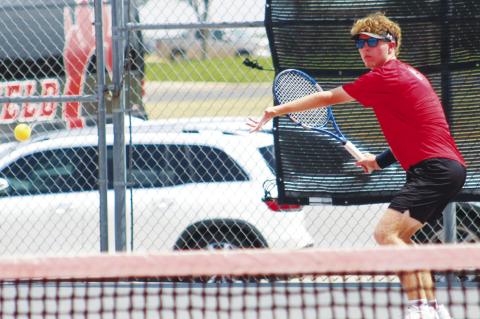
367 89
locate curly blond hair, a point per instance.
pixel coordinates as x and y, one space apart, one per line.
378 23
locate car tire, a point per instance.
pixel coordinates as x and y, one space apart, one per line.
222 235
243 53
464 235
178 54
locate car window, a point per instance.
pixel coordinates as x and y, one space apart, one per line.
268 154
76 169
53 171
155 166
210 164
168 165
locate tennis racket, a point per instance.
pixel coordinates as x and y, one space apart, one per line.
290 85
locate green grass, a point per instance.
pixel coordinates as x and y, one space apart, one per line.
211 70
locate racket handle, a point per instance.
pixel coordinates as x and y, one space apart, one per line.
354 151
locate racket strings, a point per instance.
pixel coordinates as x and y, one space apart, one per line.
293 86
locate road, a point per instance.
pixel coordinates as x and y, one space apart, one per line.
194 91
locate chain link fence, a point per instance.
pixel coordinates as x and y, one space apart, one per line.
48 81
51 51
192 72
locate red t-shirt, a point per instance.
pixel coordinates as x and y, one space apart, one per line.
409 112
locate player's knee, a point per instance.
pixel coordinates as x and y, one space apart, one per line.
406 238
383 237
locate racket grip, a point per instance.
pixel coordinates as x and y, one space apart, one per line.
354 151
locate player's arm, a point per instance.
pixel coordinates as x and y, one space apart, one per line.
318 99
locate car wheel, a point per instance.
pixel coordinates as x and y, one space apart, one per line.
221 235
178 54
243 52
464 235
220 239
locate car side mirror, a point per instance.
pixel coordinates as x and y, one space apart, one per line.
3 184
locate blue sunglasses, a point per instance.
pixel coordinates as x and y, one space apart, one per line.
371 42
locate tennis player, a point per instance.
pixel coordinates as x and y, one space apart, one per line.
414 124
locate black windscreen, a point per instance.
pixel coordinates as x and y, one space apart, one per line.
441 38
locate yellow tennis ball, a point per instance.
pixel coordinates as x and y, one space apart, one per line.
22 132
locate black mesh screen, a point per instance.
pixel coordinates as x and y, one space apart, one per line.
440 38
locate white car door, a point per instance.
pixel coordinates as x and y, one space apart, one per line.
51 204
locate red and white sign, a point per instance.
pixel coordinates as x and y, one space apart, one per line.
28 112
77 53
78 50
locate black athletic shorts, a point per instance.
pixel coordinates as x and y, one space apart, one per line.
430 186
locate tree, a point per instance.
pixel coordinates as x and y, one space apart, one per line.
201 9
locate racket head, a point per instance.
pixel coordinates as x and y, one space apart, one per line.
290 85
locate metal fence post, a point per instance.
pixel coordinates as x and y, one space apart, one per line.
450 223
101 120
118 110
450 233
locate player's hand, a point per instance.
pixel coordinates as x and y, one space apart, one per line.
256 125
369 163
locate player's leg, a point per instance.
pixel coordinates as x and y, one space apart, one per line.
428 285
430 185
396 228
425 277
392 229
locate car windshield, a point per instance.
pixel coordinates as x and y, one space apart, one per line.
268 154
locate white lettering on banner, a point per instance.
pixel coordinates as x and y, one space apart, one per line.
50 87
28 112
10 110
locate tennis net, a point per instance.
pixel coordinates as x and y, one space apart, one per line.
311 283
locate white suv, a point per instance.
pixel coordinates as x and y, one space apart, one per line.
218 44
188 188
